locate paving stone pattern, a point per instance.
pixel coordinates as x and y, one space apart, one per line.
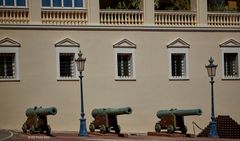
226 128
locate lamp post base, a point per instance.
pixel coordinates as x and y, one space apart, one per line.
83 128
213 129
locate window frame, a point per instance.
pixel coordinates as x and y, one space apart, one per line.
125 71
131 51
233 50
15 51
62 5
186 62
15 5
71 68
67 46
66 50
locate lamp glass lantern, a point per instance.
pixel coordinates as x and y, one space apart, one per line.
211 68
80 62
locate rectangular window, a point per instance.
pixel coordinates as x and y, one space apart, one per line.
57 3
9 2
67 67
178 65
7 65
21 2
67 3
62 3
78 3
13 3
46 3
124 65
230 64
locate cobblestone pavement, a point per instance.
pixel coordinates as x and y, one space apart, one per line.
72 136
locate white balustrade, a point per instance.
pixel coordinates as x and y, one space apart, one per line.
64 17
175 18
121 17
118 17
224 19
14 16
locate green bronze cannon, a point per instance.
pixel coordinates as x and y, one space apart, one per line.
105 119
37 120
173 119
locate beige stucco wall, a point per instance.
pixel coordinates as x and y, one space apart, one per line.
151 91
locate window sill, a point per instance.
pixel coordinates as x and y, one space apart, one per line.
179 79
14 7
67 79
229 79
125 79
9 80
63 8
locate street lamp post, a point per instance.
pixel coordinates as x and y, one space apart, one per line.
211 69
80 67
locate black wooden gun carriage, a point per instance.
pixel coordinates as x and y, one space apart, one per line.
37 120
106 119
173 120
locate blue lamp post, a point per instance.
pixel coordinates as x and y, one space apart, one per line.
211 69
80 67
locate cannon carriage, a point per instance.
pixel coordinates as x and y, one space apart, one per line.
105 119
173 120
37 120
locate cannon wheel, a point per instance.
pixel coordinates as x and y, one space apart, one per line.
157 127
32 129
184 129
170 129
92 127
24 128
103 129
117 129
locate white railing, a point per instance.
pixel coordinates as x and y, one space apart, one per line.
64 17
178 18
14 16
121 17
224 19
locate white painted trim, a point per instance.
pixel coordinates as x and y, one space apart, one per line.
127 51
178 50
66 50
14 50
230 50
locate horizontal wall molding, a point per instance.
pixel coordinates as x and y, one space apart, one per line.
119 28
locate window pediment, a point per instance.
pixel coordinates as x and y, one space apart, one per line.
230 43
125 43
7 42
178 43
67 43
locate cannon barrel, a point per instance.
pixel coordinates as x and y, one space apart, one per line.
183 112
111 111
41 111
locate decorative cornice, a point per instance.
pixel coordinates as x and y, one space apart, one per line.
230 43
120 28
67 43
125 43
178 43
7 42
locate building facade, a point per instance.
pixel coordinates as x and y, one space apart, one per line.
146 59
